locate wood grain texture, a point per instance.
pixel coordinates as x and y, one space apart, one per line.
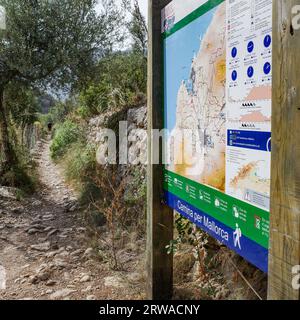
285 171
159 216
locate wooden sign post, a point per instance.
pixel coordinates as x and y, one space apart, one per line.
160 217
284 252
285 172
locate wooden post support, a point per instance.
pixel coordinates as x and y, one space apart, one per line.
285 185
159 216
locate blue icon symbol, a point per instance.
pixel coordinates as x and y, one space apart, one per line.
267 68
234 52
250 72
234 75
250 46
269 145
267 41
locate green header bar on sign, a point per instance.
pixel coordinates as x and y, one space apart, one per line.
192 16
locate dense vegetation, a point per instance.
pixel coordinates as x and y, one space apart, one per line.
47 49
117 82
62 63
47 45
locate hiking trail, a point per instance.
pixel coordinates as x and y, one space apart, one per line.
45 249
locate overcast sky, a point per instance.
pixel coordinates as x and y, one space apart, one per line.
144 7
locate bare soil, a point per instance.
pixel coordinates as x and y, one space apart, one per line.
46 250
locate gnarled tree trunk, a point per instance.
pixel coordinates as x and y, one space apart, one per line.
7 156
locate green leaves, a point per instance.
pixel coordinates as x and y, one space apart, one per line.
138 30
23 104
55 42
94 100
65 135
118 79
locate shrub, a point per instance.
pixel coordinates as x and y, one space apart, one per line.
19 177
22 174
80 161
80 167
95 99
65 135
119 80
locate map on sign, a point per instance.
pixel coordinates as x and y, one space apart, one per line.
200 98
217 95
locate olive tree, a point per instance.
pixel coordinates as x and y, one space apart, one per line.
53 43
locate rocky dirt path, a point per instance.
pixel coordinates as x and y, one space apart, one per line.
44 247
